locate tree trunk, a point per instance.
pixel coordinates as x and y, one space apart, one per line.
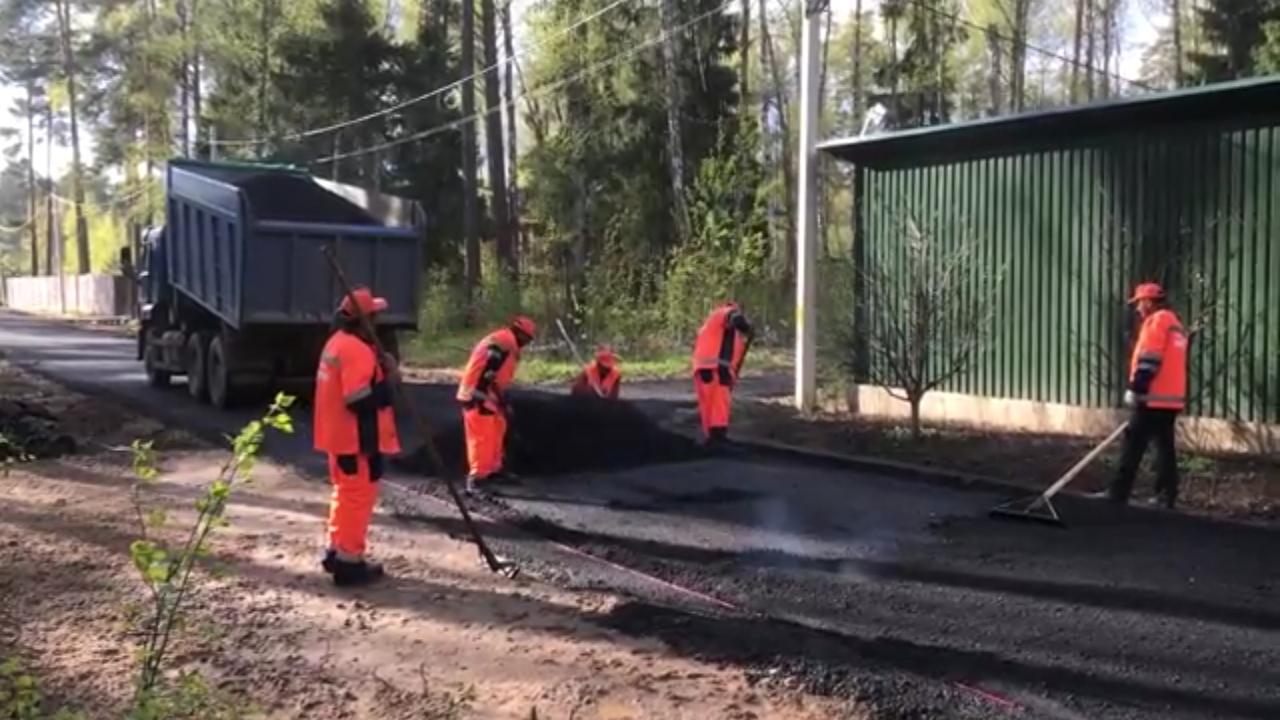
264 69
1107 7
915 417
669 14
470 220
509 102
33 203
496 154
744 53
48 197
1075 51
1090 36
184 77
196 59
1175 13
1018 55
783 110
858 88
994 79
63 8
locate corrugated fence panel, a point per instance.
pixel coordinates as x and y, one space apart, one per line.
1073 229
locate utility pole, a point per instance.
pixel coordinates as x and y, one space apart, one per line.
807 206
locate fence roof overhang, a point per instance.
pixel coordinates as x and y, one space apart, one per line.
1242 103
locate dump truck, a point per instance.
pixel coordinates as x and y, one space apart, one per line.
235 291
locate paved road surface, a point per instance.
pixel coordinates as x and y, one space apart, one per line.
901 593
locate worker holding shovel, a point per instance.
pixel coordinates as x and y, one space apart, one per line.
355 426
599 378
718 355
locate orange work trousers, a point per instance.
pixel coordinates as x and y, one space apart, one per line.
486 435
351 508
714 400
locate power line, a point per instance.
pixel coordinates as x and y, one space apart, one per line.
303 134
923 4
536 92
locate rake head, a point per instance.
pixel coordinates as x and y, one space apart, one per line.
1037 509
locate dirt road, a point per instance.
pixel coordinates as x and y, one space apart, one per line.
901 594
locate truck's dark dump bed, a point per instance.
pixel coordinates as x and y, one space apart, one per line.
245 243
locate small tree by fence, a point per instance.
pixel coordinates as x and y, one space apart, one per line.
922 320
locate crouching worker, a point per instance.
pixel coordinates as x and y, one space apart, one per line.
355 426
482 395
717 359
600 378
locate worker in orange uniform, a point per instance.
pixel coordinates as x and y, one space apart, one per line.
482 395
600 378
1157 393
355 426
717 359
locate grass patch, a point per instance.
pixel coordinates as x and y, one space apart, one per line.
554 363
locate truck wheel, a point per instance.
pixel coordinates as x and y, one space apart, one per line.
197 364
219 374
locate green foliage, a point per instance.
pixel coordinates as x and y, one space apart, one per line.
1235 30
167 569
21 698
187 697
728 249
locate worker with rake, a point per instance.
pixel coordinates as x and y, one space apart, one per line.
355 426
1157 394
482 394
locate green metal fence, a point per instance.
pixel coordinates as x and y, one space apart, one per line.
1076 226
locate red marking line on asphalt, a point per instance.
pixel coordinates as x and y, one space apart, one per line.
690 592
990 696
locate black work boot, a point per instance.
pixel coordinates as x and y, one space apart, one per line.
717 438
355 574
504 477
330 558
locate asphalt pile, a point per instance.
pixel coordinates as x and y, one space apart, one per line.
554 435
29 432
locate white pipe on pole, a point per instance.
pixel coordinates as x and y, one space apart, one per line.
807 206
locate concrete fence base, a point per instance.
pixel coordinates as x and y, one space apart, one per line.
82 295
1005 415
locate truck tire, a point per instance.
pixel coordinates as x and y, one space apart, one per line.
218 373
197 362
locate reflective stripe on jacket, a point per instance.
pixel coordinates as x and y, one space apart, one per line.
719 343
481 380
347 373
1161 354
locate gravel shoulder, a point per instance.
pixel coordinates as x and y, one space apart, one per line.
443 639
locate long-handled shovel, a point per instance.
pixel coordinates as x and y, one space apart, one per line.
578 357
1040 508
420 427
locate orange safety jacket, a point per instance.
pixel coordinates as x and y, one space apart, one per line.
353 407
721 343
593 376
1158 368
490 370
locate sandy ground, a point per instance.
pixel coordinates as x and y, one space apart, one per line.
443 639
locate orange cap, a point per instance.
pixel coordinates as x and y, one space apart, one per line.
365 301
1147 291
525 325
